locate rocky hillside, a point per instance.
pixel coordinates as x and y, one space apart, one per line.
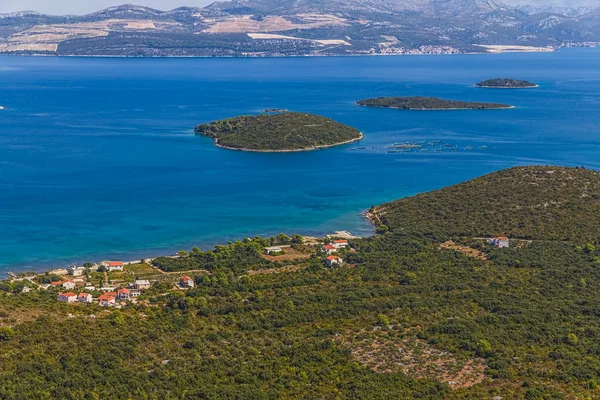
302 27
539 203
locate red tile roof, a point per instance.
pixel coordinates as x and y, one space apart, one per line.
331 258
108 296
68 294
83 295
123 291
57 283
328 247
186 278
340 241
502 238
115 263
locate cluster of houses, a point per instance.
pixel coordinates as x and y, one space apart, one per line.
334 246
331 248
110 297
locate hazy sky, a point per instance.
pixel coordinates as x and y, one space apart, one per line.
86 6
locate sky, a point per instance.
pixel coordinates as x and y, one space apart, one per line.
60 7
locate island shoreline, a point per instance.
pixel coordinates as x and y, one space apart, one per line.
500 87
438 109
216 143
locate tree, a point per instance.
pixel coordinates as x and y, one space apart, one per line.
383 320
282 238
382 228
183 253
297 239
6 333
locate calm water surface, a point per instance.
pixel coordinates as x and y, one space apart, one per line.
98 158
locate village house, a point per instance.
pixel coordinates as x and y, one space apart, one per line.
68 297
69 285
84 298
329 249
123 294
500 242
74 270
107 299
114 265
133 293
340 244
275 249
141 284
186 281
333 260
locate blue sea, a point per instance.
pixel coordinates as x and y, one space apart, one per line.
98 159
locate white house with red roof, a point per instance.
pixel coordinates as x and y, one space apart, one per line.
329 249
68 297
340 244
333 260
114 265
107 299
123 294
186 281
84 297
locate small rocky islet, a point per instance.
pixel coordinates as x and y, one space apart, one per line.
505 83
428 104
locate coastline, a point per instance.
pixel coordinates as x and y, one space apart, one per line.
216 143
371 218
462 53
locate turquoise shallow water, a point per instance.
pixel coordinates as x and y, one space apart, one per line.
98 158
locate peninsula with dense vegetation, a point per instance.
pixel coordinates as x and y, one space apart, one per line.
279 132
427 103
488 289
505 83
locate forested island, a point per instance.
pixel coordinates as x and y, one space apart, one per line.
505 83
427 103
429 308
279 132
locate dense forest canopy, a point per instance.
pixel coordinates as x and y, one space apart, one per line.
286 131
505 83
403 318
542 203
426 103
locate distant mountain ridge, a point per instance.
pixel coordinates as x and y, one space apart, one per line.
303 27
